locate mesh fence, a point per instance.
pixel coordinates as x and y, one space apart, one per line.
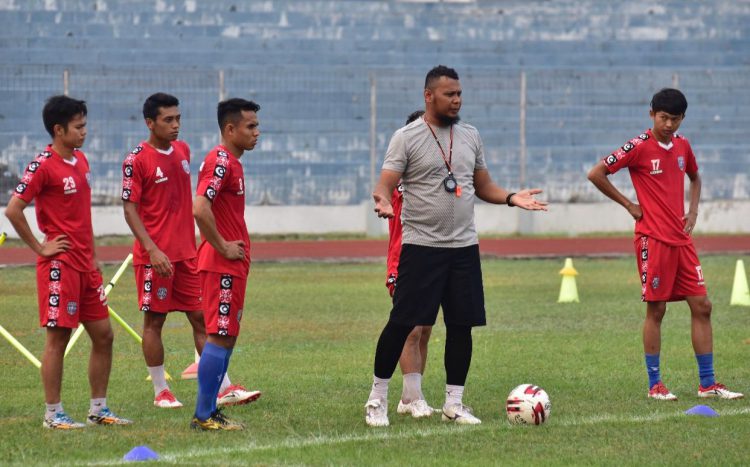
317 146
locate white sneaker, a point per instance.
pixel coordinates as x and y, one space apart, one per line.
660 392
460 414
376 413
166 400
720 391
417 409
236 395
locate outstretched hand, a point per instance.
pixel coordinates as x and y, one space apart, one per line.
382 206
525 199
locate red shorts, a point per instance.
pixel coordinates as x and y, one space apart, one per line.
68 296
179 292
668 273
223 299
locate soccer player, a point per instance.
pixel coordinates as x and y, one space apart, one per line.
69 281
157 203
414 356
441 163
224 252
658 160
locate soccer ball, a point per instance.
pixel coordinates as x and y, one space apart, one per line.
528 405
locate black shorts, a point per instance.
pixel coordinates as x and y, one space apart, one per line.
429 277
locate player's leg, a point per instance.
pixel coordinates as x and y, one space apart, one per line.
690 284
655 312
58 289
186 296
412 365
52 373
463 308
155 301
195 318
223 298
656 268
702 337
422 275
424 340
95 319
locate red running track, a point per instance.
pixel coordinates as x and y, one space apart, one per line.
352 250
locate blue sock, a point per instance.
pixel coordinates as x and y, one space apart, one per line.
706 369
210 373
223 373
652 367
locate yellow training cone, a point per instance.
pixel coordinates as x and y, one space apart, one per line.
740 292
568 289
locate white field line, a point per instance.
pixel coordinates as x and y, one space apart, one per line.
380 434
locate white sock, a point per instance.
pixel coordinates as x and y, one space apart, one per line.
379 389
225 383
158 378
97 405
51 410
453 394
412 390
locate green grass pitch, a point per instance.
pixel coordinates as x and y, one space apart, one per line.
308 337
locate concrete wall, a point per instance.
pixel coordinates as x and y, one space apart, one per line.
571 219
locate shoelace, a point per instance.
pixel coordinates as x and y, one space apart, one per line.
63 417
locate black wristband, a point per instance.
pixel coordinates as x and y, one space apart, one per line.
508 201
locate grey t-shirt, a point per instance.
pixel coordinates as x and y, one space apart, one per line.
430 215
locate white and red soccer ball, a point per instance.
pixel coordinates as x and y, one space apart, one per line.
528 405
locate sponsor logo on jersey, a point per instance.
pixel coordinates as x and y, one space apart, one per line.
219 171
224 308
655 170
126 194
610 160
128 170
628 147
72 308
33 166
643 277
643 136
20 188
210 193
54 300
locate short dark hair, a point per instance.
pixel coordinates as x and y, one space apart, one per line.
435 74
156 101
60 110
414 115
669 100
230 110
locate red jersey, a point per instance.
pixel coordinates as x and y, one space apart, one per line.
222 180
658 176
63 204
394 238
160 185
